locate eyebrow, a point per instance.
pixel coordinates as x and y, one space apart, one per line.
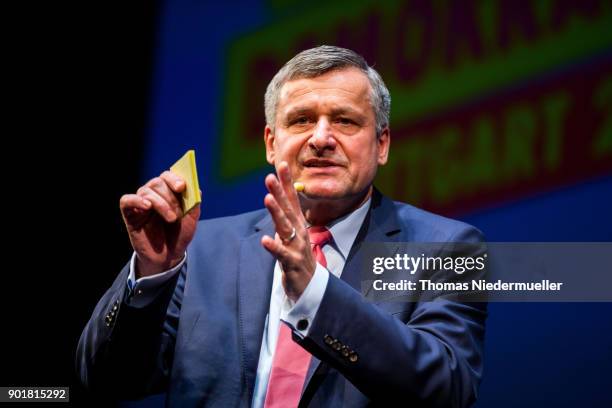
298 110
345 111
301 110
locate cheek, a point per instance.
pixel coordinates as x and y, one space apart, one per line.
289 147
364 163
364 156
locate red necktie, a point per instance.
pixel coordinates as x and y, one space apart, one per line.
290 362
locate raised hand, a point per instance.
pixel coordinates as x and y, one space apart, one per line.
290 245
153 220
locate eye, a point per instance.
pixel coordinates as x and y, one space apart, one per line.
302 120
345 121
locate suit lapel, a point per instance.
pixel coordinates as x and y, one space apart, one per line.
255 271
380 225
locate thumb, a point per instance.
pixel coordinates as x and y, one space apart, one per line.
194 214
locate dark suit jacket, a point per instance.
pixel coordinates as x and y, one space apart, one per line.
200 339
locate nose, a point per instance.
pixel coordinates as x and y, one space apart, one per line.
322 137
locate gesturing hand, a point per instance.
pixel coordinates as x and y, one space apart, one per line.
290 245
153 220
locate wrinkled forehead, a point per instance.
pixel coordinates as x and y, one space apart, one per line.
348 86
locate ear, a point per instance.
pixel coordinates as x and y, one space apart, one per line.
269 141
384 141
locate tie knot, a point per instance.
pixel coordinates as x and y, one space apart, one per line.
319 235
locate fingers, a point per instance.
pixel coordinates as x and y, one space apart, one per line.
273 246
158 194
168 186
135 210
133 201
284 176
291 258
174 181
284 227
159 203
162 192
277 192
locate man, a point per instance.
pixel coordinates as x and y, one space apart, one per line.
264 309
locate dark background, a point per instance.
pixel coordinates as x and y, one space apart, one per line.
81 90
106 104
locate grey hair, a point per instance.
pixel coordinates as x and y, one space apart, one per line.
318 61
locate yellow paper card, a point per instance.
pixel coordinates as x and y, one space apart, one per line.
185 167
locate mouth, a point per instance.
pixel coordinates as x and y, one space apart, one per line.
320 163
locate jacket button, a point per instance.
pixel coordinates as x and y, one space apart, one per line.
337 345
328 339
345 351
353 357
302 324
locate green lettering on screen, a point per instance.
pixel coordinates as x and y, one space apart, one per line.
555 108
519 143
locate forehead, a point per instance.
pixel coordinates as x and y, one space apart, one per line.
348 87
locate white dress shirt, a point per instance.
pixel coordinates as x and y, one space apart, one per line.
343 230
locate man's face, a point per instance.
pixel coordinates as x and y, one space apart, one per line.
326 131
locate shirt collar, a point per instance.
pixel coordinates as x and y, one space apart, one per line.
344 229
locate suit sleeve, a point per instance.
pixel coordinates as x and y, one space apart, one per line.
432 356
126 351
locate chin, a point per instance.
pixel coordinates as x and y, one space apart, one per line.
321 191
